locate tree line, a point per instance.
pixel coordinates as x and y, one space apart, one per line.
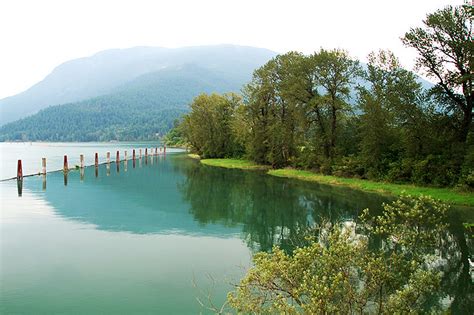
327 112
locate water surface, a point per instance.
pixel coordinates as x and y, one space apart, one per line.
154 236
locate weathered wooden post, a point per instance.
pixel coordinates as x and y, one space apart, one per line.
140 154
156 151
96 160
65 166
81 172
19 178
65 178
146 153
81 159
133 155
164 149
43 163
19 171
125 153
44 181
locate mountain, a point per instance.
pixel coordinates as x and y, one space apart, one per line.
103 73
142 109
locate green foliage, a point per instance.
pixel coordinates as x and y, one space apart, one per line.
208 127
336 271
446 53
303 111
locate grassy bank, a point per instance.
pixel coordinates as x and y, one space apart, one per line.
234 163
445 194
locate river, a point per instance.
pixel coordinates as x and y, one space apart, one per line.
156 235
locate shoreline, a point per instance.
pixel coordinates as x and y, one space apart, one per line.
444 194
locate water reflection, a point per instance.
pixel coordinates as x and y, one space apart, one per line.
180 196
271 209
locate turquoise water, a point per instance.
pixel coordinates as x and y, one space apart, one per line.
153 238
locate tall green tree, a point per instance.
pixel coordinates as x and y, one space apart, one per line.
272 107
392 118
332 74
446 53
207 128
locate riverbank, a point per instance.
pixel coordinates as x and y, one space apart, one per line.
444 194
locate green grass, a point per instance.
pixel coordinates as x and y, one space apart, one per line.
234 163
443 194
194 156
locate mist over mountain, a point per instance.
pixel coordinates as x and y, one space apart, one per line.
106 71
142 109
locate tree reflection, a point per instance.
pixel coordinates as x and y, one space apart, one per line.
274 211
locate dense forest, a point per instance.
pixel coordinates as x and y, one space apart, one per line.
299 110
143 109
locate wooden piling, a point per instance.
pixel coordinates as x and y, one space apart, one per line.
81 159
164 149
44 181
125 153
19 171
19 184
146 153
118 157
65 166
108 157
133 155
43 163
140 153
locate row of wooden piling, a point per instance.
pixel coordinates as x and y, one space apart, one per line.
96 160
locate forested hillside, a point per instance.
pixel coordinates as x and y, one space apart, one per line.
101 74
143 109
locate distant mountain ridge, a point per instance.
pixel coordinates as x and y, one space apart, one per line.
104 72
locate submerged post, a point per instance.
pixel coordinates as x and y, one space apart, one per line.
140 153
65 166
133 155
146 153
19 184
19 171
108 157
81 159
125 153
164 149
43 163
96 160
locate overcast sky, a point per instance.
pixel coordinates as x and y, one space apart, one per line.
36 36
